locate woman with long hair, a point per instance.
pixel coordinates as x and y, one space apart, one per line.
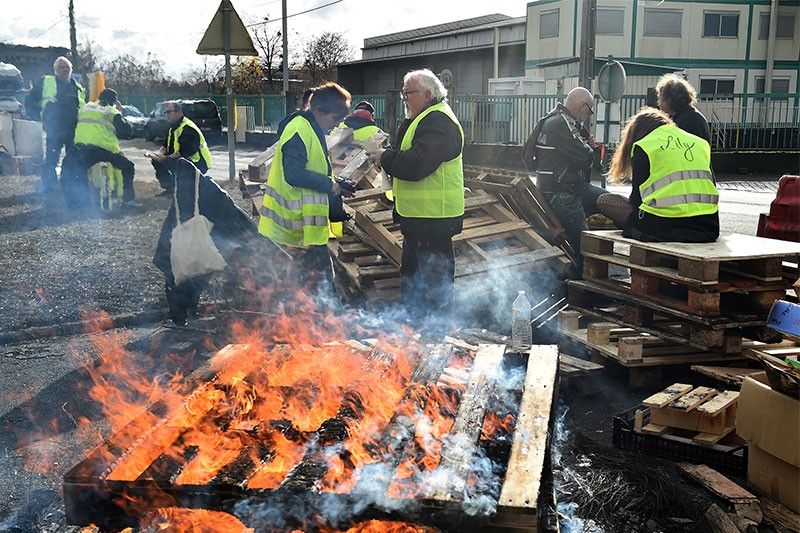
673 198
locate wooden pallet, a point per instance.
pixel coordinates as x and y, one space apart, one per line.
733 256
708 412
93 494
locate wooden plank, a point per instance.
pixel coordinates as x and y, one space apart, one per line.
717 483
780 516
668 395
728 247
491 230
718 521
709 439
459 445
654 429
430 367
718 403
730 375
520 493
508 261
580 364
689 401
382 237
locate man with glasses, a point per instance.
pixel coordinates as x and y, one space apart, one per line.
183 140
561 151
428 188
302 196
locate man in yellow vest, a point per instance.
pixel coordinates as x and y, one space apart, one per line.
55 100
100 124
428 189
184 139
362 122
301 190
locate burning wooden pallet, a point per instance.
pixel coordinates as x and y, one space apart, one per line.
397 433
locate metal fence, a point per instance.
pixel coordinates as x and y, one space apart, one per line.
763 122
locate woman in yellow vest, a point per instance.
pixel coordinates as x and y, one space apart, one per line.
674 198
301 190
428 187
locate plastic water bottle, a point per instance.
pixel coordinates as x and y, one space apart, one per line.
521 334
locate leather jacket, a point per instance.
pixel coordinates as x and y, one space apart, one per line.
563 155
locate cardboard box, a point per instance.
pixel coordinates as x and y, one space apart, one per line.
769 419
774 478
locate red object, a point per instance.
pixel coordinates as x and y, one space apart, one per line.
783 220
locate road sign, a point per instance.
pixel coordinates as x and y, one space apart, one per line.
611 81
213 41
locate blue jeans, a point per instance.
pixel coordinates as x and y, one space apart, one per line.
571 210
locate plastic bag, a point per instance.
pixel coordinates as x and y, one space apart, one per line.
193 252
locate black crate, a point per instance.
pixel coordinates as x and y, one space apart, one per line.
625 438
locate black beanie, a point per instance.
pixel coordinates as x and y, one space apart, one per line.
108 97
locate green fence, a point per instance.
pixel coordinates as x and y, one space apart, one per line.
765 122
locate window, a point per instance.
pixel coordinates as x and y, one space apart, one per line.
779 85
662 22
548 24
720 24
715 86
610 20
784 30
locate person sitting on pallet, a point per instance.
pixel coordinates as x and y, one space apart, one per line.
674 198
100 125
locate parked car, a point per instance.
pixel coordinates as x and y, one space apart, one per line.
135 118
204 113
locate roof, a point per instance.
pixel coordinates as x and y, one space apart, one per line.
631 67
429 31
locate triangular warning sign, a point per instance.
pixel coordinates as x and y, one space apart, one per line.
212 42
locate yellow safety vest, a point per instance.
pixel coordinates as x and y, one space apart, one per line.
296 216
204 152
96 127
681 183
439 194
50 90
364 132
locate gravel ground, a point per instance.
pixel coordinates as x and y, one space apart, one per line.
60 265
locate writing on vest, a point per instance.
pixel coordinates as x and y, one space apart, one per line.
681 183
439 194
50 91
290 215
96 127
175 134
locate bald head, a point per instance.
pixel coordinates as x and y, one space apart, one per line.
579 103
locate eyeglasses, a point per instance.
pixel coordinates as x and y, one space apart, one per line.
404 94
589 109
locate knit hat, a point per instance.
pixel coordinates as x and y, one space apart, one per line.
365 105
108 97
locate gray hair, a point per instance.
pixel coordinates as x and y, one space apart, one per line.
427 82
61 59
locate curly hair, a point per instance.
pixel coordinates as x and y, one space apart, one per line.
637 128
676 92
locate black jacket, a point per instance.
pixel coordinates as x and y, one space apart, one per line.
563 156
691 120
232 226
646 227
357 122
436 140
60 116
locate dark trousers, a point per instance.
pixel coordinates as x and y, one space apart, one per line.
313 267
91 155
184 298
165 177
571 209
427 274
56 140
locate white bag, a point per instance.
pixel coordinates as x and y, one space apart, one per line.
193 253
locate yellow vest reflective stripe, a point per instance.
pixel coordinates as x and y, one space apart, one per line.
681 183
439 194
296 216
96 127
50 90
203 152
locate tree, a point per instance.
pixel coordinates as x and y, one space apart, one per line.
88 56
323 53
205 77
270 47
248 76
128 74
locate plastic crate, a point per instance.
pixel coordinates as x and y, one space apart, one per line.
625 438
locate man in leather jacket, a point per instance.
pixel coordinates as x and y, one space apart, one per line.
562 152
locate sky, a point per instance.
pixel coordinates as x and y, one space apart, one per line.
172 29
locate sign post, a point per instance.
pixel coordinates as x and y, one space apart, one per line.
226 35
611 84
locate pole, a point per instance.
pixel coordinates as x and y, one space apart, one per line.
226 43
773 29
588 30
285 36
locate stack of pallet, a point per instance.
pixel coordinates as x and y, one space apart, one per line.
682 304
494 240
